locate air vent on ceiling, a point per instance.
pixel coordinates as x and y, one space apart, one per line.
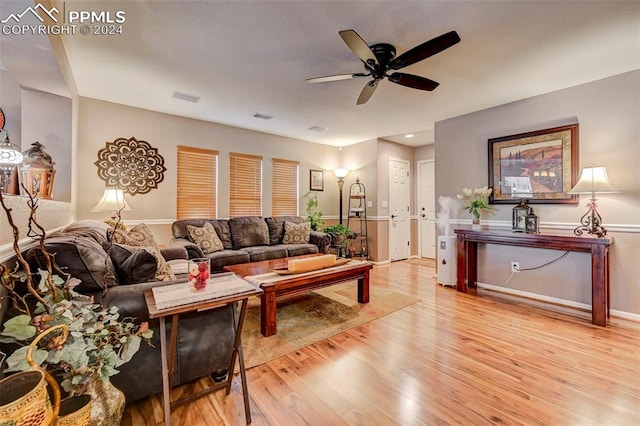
262 116
318 129
186 97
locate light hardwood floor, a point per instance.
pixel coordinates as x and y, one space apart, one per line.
453 358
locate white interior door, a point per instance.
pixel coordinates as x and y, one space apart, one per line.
427 208
399 226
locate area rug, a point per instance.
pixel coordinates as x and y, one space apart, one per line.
315 316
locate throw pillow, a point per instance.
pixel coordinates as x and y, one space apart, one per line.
248 231
163 271
133 264
205 237
296 233
141 236
138 236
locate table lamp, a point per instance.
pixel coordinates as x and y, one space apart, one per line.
592 180
112 201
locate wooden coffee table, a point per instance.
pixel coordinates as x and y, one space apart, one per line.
298 284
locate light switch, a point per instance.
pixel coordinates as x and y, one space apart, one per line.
369 204
385 204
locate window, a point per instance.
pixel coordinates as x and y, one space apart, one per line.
284 195
197 176
245 185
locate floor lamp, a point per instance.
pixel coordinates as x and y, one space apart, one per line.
341 174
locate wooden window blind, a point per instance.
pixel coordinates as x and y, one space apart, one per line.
284 192
245 185
197 189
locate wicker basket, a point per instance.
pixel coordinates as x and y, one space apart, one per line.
24 400
75 411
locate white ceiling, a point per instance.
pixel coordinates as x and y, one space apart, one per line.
244 57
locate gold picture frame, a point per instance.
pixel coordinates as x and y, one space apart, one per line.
539 166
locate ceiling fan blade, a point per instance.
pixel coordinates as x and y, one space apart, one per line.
358 46
367 92
336 77
413 81
426 49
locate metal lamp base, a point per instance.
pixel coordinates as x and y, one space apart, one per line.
591 222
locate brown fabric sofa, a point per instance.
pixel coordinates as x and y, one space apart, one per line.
205 339
247 239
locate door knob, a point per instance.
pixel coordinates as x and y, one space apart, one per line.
393 216
423 215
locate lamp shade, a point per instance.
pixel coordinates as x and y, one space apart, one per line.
112 201
593 180
341 173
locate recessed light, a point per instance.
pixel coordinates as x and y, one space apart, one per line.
262 116
409 135
186 97
318 129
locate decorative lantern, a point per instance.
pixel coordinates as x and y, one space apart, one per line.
519 216
37 172
10 157
532 225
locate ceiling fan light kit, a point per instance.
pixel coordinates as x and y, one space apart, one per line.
380 58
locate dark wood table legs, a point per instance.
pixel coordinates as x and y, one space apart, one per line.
467 249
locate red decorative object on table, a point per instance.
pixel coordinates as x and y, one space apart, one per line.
199 273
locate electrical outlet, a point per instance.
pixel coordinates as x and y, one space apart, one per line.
515 266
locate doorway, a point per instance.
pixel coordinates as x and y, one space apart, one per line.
427 208
399 225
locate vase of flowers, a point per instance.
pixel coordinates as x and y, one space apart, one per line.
478 200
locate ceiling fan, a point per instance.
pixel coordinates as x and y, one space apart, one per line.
379 59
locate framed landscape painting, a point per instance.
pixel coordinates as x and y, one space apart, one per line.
539 166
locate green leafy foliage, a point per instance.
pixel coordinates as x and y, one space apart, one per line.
99 340
339 234
19 328
314 216
478 199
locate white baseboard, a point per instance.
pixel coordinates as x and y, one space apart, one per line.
562 302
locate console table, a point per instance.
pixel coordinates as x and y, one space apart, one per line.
598 247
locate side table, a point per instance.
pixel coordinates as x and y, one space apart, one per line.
168 359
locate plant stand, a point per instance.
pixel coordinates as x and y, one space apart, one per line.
357 220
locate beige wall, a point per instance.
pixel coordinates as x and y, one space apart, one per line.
34 116
100 122
607 111
361 160
426 152
46 119
11 95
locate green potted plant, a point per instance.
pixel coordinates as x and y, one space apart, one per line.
339 237
478 200
314 216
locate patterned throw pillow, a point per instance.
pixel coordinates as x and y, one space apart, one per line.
141 236
138 236
205 237
296 233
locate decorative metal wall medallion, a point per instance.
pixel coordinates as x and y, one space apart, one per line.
130 164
